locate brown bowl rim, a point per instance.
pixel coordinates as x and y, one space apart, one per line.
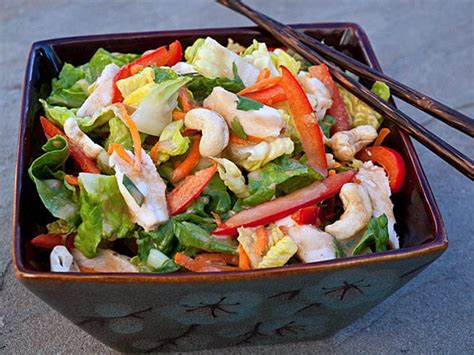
438 245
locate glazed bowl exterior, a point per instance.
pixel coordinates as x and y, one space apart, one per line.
179 312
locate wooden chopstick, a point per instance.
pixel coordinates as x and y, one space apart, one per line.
441 148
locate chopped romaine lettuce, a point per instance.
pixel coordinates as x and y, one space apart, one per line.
154 112
172 142
213 60
326 125
232 177
163 74
119 133
280 57
103 212
191 235
46 172
265 182
258 55
255 156
132 83
201 87
70 89
279 254
59 114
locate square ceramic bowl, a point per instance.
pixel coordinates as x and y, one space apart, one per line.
175 312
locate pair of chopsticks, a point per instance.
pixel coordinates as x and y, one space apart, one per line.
317 53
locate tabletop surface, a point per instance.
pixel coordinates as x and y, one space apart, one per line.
428 45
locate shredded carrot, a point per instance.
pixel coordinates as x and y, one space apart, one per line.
178 115
135 68
154 151
261 241
336 164
120 150
331 172
244 261
71 180
137 144
357 181
260 85
189 163
264 74
250 140
184 99
384 132
284 229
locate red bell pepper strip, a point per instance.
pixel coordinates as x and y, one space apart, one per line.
269 96
390 160
175 53
157 57
307 215
188 189
337 110
305 121
77 153
284 206
51 240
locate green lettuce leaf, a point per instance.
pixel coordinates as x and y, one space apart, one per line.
246 104
59 226
172 142
164 74
376 236
101 58
192 235
119 133
220 200
162 239
128 85
46 171
283 175
326 125
70 89
59 114
103 211
154 112
201 87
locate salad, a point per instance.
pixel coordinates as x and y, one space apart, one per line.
221 158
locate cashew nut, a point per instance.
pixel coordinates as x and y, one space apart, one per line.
215 133
357 212
346 144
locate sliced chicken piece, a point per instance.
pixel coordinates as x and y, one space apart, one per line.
263 123
318 95
313 244
153 210
375 181
61 260
106 261
357 212
102 94
74 133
